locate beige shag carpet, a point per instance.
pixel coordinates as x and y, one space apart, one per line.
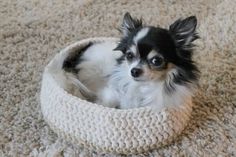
33 31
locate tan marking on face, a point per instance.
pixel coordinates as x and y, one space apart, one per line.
154 75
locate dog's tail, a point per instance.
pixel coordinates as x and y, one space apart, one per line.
67 78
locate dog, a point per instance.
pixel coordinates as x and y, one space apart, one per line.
149 66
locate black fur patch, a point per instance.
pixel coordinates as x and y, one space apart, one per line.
73 60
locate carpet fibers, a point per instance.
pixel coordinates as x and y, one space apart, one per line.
33 31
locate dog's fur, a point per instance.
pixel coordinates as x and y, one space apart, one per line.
150 66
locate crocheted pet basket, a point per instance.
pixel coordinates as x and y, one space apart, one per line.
106 129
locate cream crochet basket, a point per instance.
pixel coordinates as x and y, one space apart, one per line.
105 129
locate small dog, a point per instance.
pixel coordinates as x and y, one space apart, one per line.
149 66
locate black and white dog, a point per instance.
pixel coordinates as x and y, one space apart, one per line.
149 66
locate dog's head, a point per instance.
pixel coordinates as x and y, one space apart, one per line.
152 52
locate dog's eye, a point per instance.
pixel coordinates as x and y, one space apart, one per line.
157 61
129 55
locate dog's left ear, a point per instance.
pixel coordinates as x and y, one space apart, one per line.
129 24
183 32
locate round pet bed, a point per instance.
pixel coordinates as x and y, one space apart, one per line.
107 129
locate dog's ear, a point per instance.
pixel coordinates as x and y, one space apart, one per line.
183 32
129 24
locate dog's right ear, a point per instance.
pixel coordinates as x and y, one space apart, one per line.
129 24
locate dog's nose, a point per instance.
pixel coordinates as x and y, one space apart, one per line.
136 72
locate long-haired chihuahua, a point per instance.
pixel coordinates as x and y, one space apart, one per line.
149 66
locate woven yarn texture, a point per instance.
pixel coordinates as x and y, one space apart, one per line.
107 129
32 32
